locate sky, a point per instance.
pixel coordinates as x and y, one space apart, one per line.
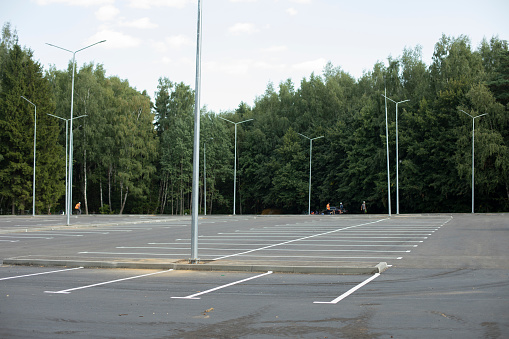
246 44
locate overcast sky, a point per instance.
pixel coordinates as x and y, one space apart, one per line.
246 43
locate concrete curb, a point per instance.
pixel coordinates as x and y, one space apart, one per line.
379 268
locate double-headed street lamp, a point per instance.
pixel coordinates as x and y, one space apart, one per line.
69 197
235 160
35 141
310 157
397 152
473 130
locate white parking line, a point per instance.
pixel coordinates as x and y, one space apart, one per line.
193 296
350 291
105 283
303 238
30 275
23 237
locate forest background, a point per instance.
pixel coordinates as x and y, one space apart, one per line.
132 155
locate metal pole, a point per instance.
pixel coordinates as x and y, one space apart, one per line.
235 172
310 157
196 147
473 131
69 184
69 196
397 163
35 142
397 150
235 160
67 206
66 168
387 144
309 189
204 178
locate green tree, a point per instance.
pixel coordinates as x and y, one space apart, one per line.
20 75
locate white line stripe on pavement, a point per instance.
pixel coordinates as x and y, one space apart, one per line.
350 291
308 237
193 296
30 275
105 283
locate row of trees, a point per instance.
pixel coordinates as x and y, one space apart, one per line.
135 156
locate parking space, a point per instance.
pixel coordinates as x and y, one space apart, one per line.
329 239
405 303
449 279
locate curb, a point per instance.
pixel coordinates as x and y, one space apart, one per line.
379 268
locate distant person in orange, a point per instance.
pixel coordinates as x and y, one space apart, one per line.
78 208
328 207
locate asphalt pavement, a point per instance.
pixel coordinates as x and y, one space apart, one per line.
444 276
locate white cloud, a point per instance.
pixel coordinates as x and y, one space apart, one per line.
301 1
310 66
81 3
243 27
107 13
172 42
178 41
143 23
292 11
166 60
114 39
275 49
147 4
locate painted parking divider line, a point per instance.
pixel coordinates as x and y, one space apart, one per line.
104 283
350 291
194 296
30 275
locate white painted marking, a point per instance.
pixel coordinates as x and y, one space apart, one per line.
350 291
193 296
104 283
10 240
24 237
30 275
275 249
290 241
57 235
307 244
286 236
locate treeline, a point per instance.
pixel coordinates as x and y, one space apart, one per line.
132 155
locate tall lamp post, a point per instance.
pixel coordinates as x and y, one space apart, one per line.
205 177
387 144
310 157
196 144
235 160
69 197
67 207
473 131
35 141
397 153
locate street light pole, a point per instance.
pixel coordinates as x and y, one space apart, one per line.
473 131
67 207
69 202
310 157
196 144
35 141
397 153
387 144
205 177
235 160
